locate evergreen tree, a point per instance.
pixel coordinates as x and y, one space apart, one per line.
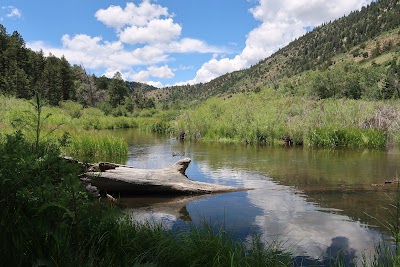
3 46
21 85
35 71
52 83
67 81
117 90
102 83
84 86
392 82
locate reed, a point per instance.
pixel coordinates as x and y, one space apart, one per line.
199 246
154 125
93 118
92 146
269 118
356 138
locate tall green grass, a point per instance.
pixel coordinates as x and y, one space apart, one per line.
150 243
85 142
66 126
94 146
71 116
329 137
266 118
270 118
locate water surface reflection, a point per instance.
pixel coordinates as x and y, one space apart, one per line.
312 201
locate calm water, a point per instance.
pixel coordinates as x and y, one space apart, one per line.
313 202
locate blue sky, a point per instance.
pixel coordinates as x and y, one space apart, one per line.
166 42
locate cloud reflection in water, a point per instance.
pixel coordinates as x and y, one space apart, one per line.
300 226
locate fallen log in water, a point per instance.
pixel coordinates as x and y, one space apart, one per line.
172 180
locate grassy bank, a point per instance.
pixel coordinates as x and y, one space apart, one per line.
269 118
266 118
68 115
94 147
77 129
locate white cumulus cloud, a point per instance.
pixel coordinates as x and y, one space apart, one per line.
161 72
141 15
143 76
152 71
11 12
156 31
190 45
143 23
93 52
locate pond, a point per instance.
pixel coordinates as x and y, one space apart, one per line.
311 202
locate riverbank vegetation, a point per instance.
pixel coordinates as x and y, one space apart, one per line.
269 118
49 217
263 118
77 135
319 91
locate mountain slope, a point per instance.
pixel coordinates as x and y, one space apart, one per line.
319 49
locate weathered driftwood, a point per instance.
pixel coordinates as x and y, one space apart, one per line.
172 180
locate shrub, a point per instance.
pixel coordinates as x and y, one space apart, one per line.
42 206
73 109
347 137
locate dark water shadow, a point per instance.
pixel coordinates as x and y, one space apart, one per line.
173 205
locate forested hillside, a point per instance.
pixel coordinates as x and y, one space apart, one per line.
24 72
367 37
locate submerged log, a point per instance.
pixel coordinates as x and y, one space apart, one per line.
172 180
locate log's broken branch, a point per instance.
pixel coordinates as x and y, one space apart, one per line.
182 165
172 180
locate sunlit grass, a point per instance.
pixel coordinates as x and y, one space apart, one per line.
330 137
94 146
265 118
270 118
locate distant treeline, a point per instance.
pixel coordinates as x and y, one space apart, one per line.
24 72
